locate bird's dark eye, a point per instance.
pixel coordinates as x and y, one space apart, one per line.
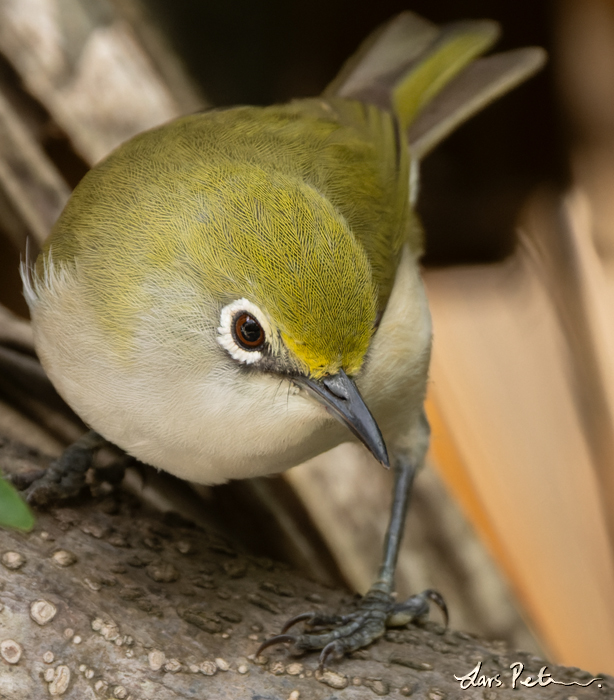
248 332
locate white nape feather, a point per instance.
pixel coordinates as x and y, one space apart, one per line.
54 278
26 271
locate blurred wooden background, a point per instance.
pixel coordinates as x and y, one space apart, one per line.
513 519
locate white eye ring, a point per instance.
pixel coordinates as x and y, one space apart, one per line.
226 336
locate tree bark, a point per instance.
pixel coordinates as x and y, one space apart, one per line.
104 599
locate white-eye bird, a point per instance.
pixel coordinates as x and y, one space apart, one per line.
235 292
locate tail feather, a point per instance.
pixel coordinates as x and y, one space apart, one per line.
481 83
429 75
456 46
371 72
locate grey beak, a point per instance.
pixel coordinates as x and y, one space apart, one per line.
341 397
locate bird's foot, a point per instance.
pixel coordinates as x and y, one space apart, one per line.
337 635
66 476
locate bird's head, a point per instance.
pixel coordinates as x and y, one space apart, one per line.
299 292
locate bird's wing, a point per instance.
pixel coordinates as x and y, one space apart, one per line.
430 76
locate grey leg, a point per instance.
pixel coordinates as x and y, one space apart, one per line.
337 635
405 473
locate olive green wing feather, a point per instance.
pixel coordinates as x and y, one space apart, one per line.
481 83
382 58
429 76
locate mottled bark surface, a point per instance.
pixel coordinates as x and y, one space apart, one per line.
105 600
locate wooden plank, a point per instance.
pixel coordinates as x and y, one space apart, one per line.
501 381
84 64
29 181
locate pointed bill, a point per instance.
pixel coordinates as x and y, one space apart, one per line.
340 396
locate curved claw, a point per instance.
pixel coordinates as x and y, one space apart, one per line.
278 639
296 619
437 598
337 635
331 649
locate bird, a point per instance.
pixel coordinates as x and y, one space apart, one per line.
237 291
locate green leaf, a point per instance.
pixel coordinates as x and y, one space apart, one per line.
13 509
